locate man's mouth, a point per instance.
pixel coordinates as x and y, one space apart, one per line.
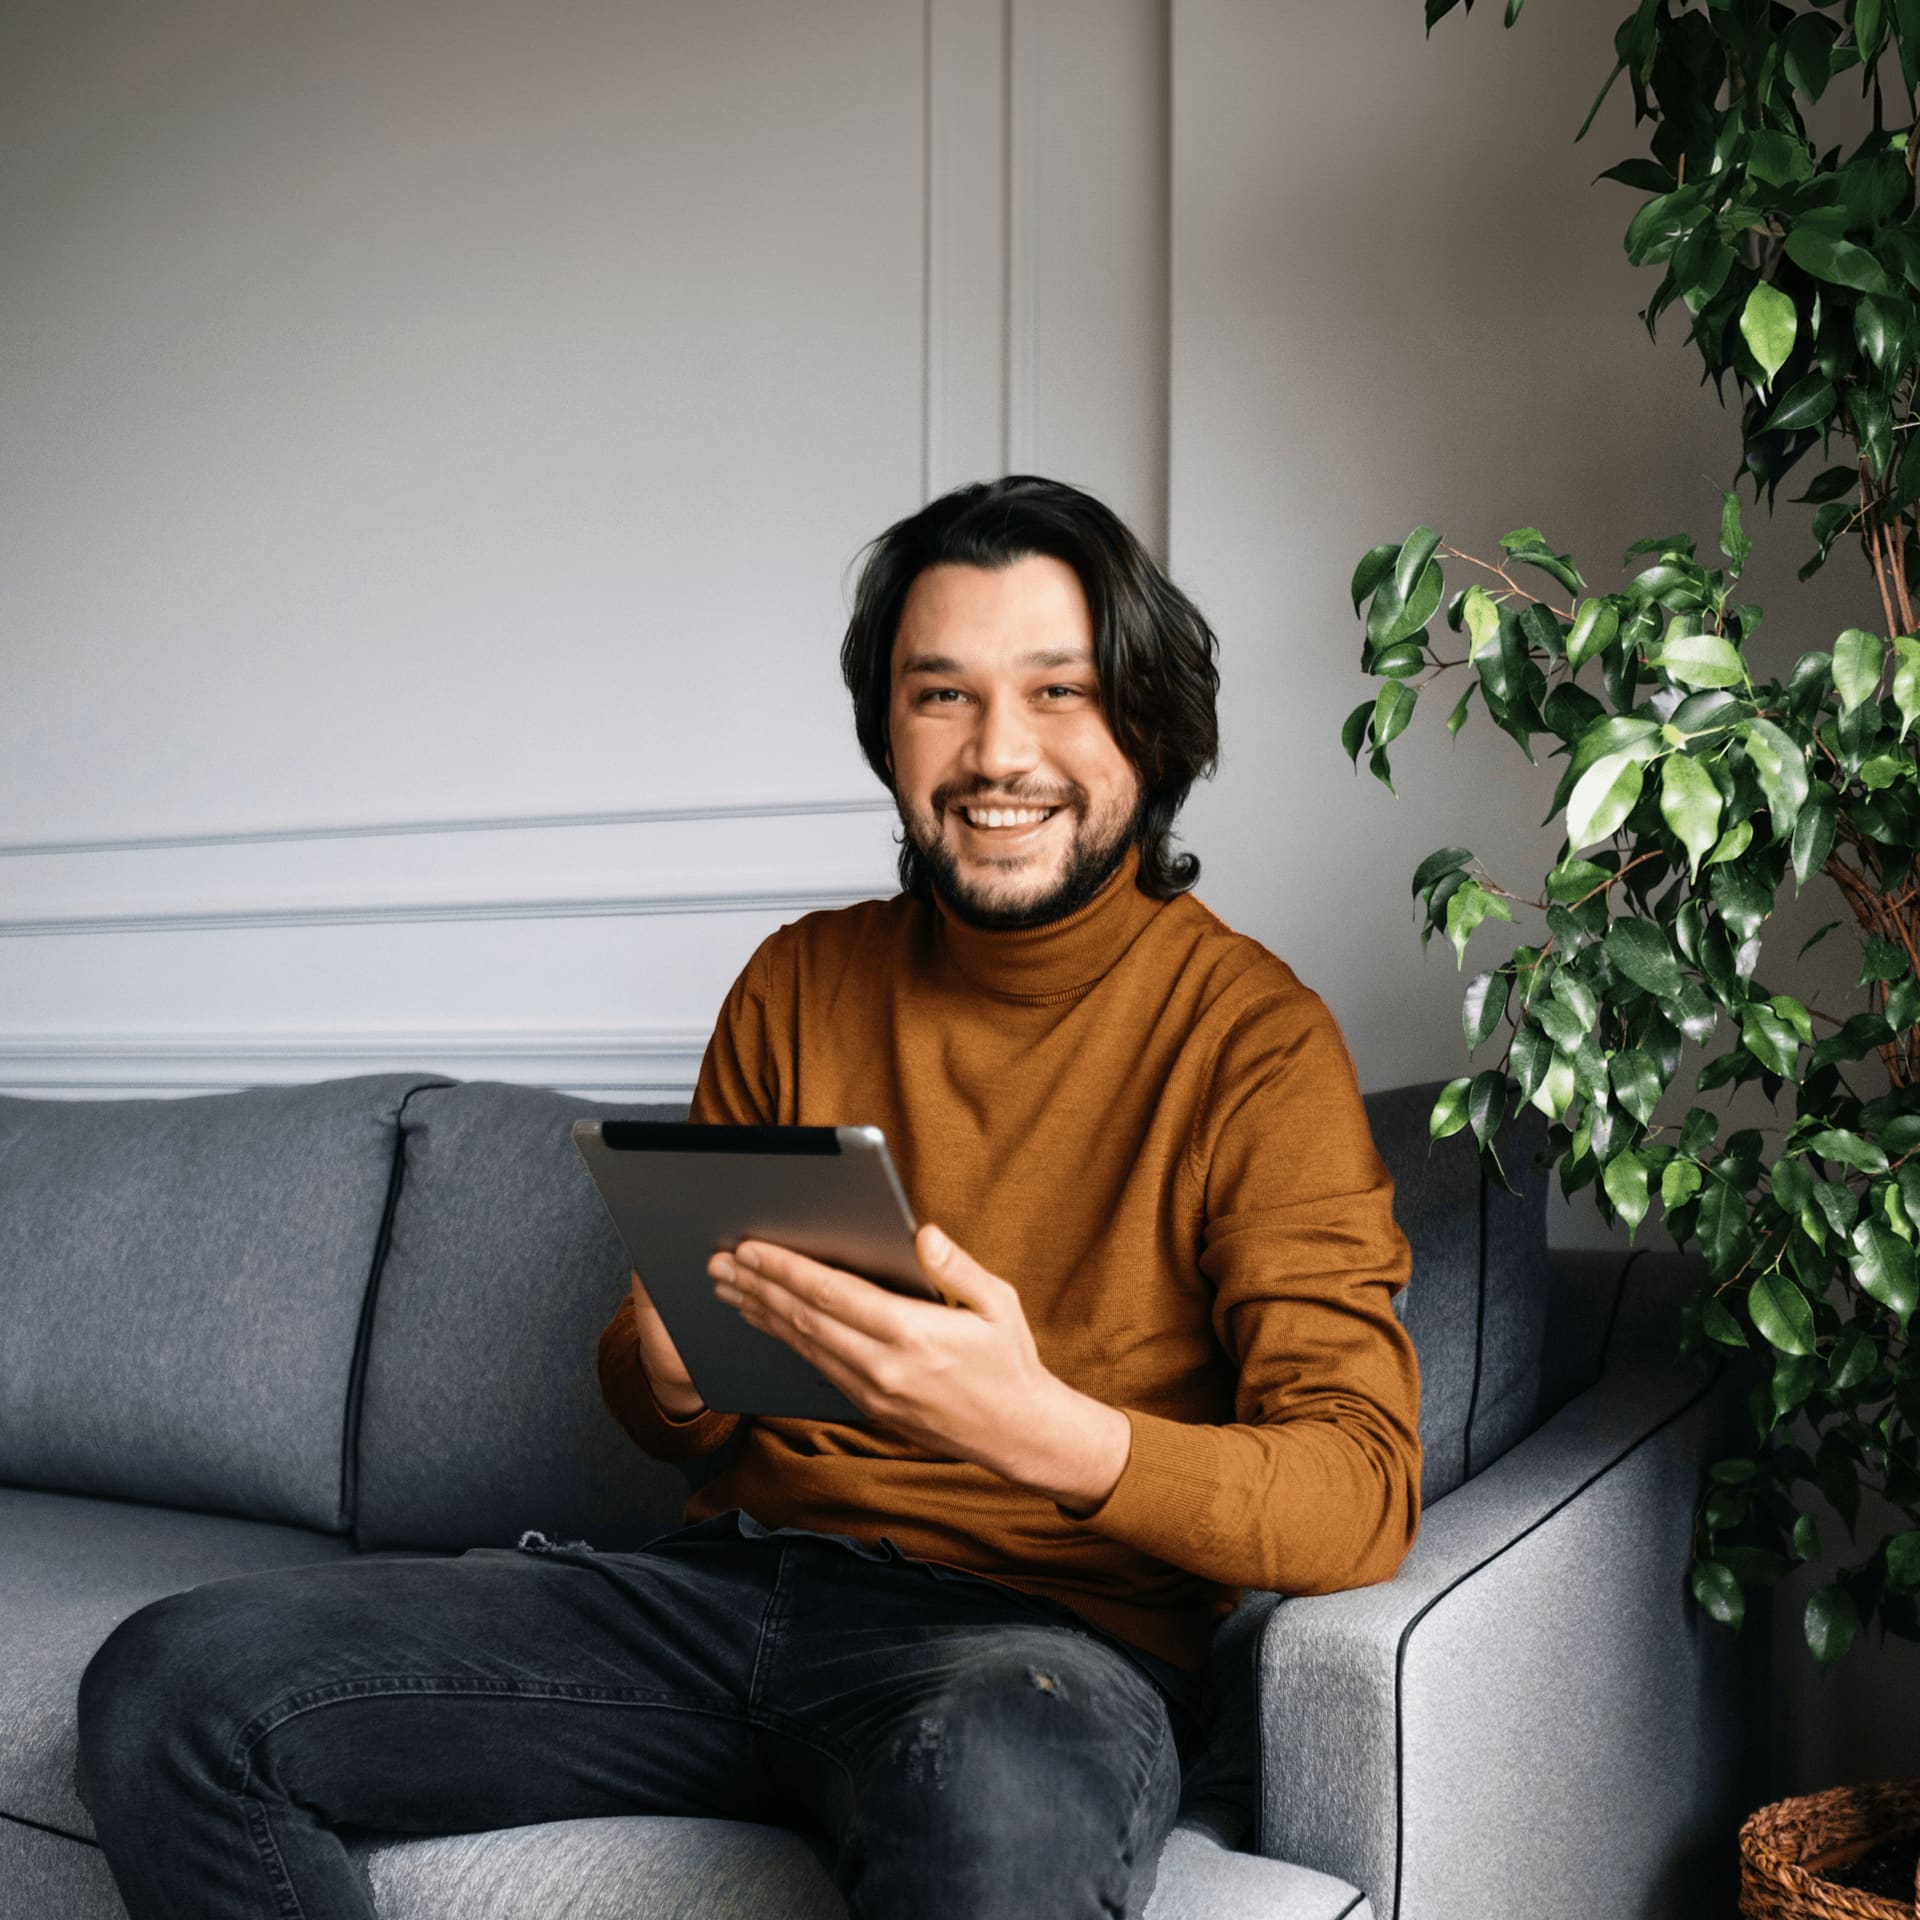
1005 819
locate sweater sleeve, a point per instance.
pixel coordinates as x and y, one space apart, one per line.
1315 1485
737 1086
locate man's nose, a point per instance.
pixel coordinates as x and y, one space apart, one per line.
1004 743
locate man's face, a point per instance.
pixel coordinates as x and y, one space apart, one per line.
995 705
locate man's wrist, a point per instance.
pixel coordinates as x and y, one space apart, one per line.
1076 1450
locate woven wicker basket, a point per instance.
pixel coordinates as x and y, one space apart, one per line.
1784 1847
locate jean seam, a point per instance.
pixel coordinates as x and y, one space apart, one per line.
769 1631
260 1829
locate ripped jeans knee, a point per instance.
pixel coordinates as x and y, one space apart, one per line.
533 1541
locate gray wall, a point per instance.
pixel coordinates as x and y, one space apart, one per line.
438 439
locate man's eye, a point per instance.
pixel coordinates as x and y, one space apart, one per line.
1073 691
938 693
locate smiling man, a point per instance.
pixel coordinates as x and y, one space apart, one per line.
1140 1147
961 1640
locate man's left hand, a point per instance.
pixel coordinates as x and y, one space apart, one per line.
966 1382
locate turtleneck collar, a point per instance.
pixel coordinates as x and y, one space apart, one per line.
1060 958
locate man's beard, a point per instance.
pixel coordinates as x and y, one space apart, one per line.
1092 861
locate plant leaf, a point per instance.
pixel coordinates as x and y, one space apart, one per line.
1602 798
1719 1592
1839 262
1781 1313
1486 1001
1640 950
1690 805
1482 616
1838 1143
1410 564
1449 1113
1636 1082
1596 625
1857 656
1702 660
1768 324
1392 709
1781 764
1625 1180
1830 1623
1883 1264
1375 564
1805 404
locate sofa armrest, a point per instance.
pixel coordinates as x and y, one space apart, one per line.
1533 1715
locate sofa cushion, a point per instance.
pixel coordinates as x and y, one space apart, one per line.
1476 1303
655 1868
482 1415
672 1868
181 1281
71 1569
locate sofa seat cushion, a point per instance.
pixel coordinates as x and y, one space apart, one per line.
71 1569
656 1867
182 1283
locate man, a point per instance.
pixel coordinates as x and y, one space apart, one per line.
960 1642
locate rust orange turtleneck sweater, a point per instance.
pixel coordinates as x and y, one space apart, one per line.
1151 1128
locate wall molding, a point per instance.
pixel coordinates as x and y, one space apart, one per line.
798 899
638 1062
964 294
752 809
1021 224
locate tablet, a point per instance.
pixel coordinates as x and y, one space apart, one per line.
679 1192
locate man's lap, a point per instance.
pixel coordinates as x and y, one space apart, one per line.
777 1662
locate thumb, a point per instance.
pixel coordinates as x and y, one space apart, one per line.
953 1270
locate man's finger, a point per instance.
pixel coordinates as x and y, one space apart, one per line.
845 1297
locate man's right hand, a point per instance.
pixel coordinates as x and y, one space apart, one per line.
666 1372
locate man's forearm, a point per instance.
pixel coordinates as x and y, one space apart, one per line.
1074 1450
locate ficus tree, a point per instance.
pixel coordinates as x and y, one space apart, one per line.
1693 790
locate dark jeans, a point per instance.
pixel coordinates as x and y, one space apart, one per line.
958 1748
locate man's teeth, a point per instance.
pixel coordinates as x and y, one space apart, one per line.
1007 816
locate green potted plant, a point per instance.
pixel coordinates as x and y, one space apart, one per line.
1693 791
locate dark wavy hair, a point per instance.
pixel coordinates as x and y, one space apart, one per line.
1153 651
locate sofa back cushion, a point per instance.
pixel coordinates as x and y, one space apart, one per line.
482 1415
181 1286
1476 1303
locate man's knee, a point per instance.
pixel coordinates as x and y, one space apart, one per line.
1047 1771
165 1688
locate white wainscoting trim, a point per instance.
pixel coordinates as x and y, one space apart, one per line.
659 1063
800 899
753 809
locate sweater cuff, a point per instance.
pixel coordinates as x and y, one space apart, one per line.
629 1396
1169 1481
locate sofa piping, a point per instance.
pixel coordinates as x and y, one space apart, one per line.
1613 1312
363 1333
1479 1342
40 1826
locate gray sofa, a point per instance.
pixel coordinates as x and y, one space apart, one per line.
286 1325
